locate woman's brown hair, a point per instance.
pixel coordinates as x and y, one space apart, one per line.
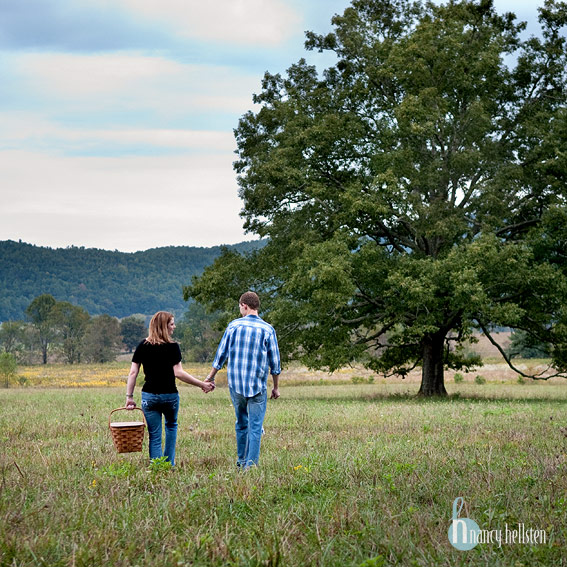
158 331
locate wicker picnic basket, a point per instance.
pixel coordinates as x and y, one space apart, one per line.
128 436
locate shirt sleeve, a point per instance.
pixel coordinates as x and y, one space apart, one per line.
274 354
222 350
137 356
176 354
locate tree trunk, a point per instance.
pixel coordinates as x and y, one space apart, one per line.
44 346
432 377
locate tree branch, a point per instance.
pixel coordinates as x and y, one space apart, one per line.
539 376
514 227
374 336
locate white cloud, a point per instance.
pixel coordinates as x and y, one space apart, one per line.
190 139
76 75
131 203
245 22
21 130
113 82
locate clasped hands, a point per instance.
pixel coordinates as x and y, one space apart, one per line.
207 386
275 391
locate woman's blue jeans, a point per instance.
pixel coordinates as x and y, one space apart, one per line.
250 414
154 407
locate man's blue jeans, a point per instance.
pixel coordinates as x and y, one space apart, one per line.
154 407
250 414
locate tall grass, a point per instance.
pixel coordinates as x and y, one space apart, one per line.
350 475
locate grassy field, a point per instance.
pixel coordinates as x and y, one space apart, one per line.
351 474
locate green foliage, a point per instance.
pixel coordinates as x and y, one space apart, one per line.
378 561
70 333
8 368
458 378
70 323
362 380
412 193
101 281
124 469
160 465
12 336
479 379
40 313
198 333
102 339
523 345
133 330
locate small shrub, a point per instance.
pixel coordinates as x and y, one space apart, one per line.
458 377
379 561
120 470
160 464
362 380
8 368
480 379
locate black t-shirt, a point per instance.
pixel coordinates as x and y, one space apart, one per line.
158 362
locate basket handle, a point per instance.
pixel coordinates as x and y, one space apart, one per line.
124 408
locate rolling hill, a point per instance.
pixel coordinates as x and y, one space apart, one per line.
101 281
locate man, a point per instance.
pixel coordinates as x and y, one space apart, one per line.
251 348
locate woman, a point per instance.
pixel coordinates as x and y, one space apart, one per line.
160 356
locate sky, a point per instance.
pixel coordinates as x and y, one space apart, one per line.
117 116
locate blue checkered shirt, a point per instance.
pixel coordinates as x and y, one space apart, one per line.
251 347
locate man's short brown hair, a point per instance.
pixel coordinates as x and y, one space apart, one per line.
251 299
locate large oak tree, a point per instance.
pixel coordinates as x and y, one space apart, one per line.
411 193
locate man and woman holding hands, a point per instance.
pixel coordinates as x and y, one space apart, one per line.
249 347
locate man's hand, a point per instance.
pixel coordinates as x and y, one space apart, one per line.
211 375
275 394
130 403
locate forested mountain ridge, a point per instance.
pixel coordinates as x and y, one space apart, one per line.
101 281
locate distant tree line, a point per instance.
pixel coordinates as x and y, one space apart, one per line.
63 332
58 331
